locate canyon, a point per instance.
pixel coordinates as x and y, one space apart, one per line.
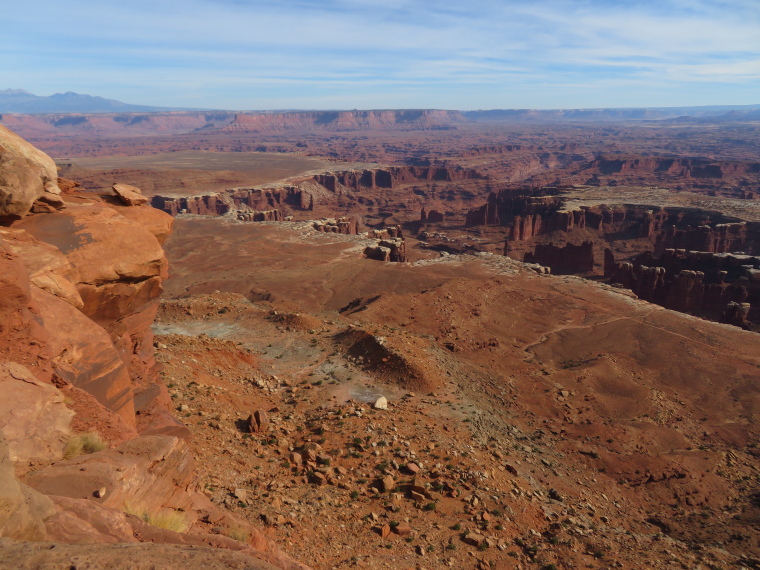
426 339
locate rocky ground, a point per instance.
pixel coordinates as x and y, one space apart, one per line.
487 455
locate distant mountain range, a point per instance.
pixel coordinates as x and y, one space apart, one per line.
23 102
20 102
735 112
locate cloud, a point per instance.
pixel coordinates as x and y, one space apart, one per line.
228 52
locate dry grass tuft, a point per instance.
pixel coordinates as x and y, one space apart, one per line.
239 533
169 519
83 443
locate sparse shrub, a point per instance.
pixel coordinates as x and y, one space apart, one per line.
169 519
137 510
430 506
456 527
239 533
83 443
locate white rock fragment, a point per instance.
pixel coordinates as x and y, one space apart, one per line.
381 403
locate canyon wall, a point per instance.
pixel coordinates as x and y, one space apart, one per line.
528 214
565 260
678 167
719 286
115 124
305 194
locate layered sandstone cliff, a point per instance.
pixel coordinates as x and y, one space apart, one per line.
79 289
326 190
223 122
719 286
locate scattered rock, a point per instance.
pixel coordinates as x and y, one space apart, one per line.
258 421
403 529
381 403
474 538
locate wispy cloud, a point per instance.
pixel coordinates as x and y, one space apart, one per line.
372 53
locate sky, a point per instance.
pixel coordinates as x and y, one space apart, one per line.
386 54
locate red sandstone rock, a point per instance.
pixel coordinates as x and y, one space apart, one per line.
701 283
258 421
431 217
27 175
393 249
119 281
261 216
568 259
47 267
22 510
85 355
130 195
158 223
346 226
33 417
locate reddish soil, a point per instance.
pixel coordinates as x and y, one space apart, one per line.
547 414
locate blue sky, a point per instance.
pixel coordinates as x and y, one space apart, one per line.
369 54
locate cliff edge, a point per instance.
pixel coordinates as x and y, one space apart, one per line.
90 452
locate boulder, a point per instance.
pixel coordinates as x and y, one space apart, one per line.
151 472
27 175
130 195
22 510
33 416
258 421
81 521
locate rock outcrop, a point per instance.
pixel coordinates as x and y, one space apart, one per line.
33 417
23 511
431 217
261 216
207 205
719 238
723 287
130 195
79 290
529 214
328 190
391 249
568 259
346 226
28 179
